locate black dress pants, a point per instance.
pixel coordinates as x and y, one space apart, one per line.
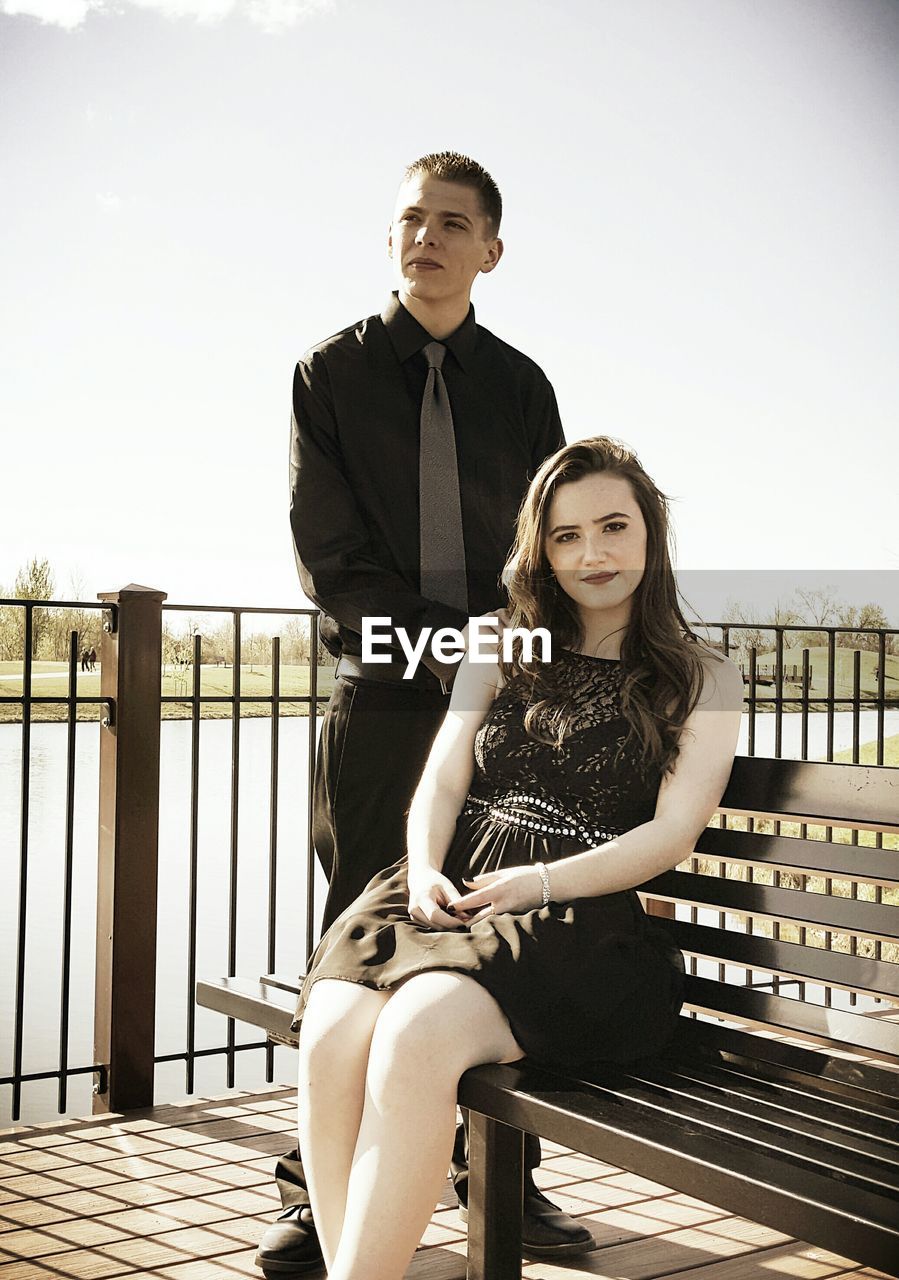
374 742
375 739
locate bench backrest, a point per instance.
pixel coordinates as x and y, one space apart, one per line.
772 941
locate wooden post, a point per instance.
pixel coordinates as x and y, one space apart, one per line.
125 1006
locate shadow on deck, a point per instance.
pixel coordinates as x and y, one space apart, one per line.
184 1192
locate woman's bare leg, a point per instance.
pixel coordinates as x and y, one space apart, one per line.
334 1038
434 1027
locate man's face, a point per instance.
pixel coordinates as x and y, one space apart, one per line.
440 239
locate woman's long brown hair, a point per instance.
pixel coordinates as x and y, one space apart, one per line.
661 667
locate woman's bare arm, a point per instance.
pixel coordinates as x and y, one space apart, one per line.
443 787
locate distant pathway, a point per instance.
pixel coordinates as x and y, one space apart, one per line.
44 675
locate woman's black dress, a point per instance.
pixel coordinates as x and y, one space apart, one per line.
585 981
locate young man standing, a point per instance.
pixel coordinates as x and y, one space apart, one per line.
415 434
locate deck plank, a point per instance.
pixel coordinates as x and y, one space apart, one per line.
184 1191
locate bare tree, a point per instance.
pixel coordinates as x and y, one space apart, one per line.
785 615
257 649
178 655
295 641
10 629
63 621
872 617
748 634
819 605
815 607
847 616
218 644
35 581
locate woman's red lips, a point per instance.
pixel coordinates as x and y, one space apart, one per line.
599 577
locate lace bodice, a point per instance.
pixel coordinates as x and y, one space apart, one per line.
596 777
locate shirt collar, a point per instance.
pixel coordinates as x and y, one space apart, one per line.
407 336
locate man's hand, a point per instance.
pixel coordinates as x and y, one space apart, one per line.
517 889
430 894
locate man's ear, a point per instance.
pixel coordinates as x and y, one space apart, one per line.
390 240
494 253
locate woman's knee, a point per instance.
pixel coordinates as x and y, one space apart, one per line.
434 1027
337 1025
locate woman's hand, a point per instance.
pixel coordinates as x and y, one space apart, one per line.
516 889
430 894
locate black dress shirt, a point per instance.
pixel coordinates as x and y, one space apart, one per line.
354 508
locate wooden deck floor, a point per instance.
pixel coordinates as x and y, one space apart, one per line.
183 1192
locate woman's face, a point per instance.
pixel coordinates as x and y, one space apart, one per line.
596 542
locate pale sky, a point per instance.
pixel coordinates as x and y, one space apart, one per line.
702 199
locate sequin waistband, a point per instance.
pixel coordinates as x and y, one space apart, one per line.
536 814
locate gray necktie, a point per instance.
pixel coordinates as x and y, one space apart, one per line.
440 521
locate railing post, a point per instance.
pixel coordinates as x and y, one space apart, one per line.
125 1005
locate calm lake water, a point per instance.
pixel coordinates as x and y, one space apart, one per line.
45 888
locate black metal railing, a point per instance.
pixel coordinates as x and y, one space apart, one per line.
30 703
790 688
786 684
25 704
276 702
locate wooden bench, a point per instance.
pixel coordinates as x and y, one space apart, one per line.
775 1106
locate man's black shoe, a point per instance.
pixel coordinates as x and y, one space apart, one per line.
290 1245
547 1232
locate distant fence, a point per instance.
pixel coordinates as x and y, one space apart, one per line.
850 670
152 666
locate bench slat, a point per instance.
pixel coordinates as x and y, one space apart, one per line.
818 1143
283 982
839 795
804 1202
769 955
817 910
815 857
869 1087
846 1124
812 1022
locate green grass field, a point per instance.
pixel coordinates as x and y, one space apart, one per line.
868 753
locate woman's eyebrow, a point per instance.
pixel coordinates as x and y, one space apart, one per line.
613 515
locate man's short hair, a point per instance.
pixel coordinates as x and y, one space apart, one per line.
451 166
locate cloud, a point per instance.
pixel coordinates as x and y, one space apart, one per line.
269 15
200 10
60 13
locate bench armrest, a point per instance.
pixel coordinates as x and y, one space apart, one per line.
259 1003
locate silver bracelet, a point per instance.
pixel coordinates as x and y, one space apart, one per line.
544 880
